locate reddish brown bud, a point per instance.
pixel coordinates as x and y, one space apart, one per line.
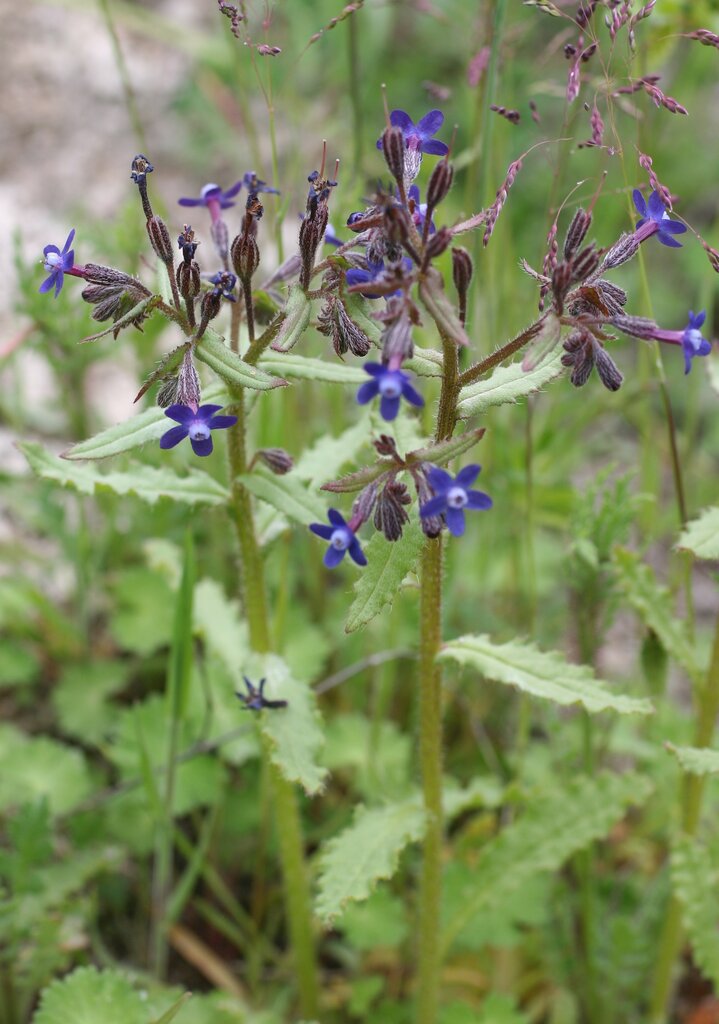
438 243
276 459
245 255
188 280
364 503
440 182
577 230
390 515
393 147
160 239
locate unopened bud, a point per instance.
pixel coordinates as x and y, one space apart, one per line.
188 383
221 238
312 233
393 147
140 168
186 242
188 280
364 503
160 239
96 274
585 263
462 270
439 184
620 252
431 525
396 340
607 369
209 308
438 243
390 514
636 326
276 459
245 255
577 230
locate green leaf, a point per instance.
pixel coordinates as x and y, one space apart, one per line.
81 698
294 732
149 425
167 365
695 880
507 384
329 454
295 320
145 306
210 349
354 861
360 478
218 621
543 674
387 565
89 996
444 451
696 760
701 536
552 828
34 768
174 1009
655 605
358 310
307 368
148 483
440 307
285 493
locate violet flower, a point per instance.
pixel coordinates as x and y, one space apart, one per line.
195 424
420 211
355 275
654 219
330 236
342 539
224 283
253 184
419 136
255 699
213 197
58 263
692 341
452 496
392 385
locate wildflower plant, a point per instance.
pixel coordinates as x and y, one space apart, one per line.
373 300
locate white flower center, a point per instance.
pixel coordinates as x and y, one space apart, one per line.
693 338
53 260
208 188
198 431
390 386
457 497
340 539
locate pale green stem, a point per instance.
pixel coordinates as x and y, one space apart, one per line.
130 100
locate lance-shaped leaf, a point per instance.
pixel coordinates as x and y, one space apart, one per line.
544 335
359 479
701 536
295 320
655 605
695 879
387 565
294 733
149 425
552 828
329 454
210 349
168 364
368 850
445 451
542 674
307 368
507 385
696 760
145 482
143 308
287 494
441 308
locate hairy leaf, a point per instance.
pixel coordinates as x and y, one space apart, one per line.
507 384
230 367
295 320
655 605
37 767
443 451
387 565
701 536
552 828
697 760
146 482
543 674
167 365
307 368
329 454
218 621
695 881
360 478
88 996
285 493
143 307
365 852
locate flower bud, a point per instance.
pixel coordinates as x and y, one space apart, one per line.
396 340
584 263
437 243
276 459
620 252
393 147
386 445
335 322
577 230
364 503
245 255
188 280
607 369
439 184
462 269
221 238
390 515
209 308
188 383
160 239
140 168
431 525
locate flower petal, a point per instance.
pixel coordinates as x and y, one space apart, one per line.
356 553
454 517
478 500
221 422
697 321
673 227
59 281
433 147
655 206
173 436
410 394
356 276
430 123
388 407
230 193
434 507
466 476
401 119
668 240
640 203
205 412
439 479
322 530
51 248
48 283
181 413
201 445
335 517
68 241
333 556
191 202
366 392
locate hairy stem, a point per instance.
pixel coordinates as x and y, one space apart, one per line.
479 369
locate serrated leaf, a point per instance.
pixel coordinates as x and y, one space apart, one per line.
444 451
552 828
696 760
329 454
695 880
145 306
655 605
148 483
218 621
295 320
307 368
89 996
294 732
701 536
167 365
354 861
506 385
360 478
387 565
37 767
210 349
149 425
287 494
542 674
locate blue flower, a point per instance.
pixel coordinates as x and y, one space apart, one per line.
693 342
255 699
341 537
224 283
452 496
195 424
356 276
253 184
655 219
213 196
58 263
330 236
419 136
420 211
391 385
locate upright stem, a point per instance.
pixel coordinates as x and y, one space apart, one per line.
692 791
287 818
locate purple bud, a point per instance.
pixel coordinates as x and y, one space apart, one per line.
160 239
276 459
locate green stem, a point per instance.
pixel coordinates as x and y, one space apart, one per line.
692 791
127 89
355 94
478 370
